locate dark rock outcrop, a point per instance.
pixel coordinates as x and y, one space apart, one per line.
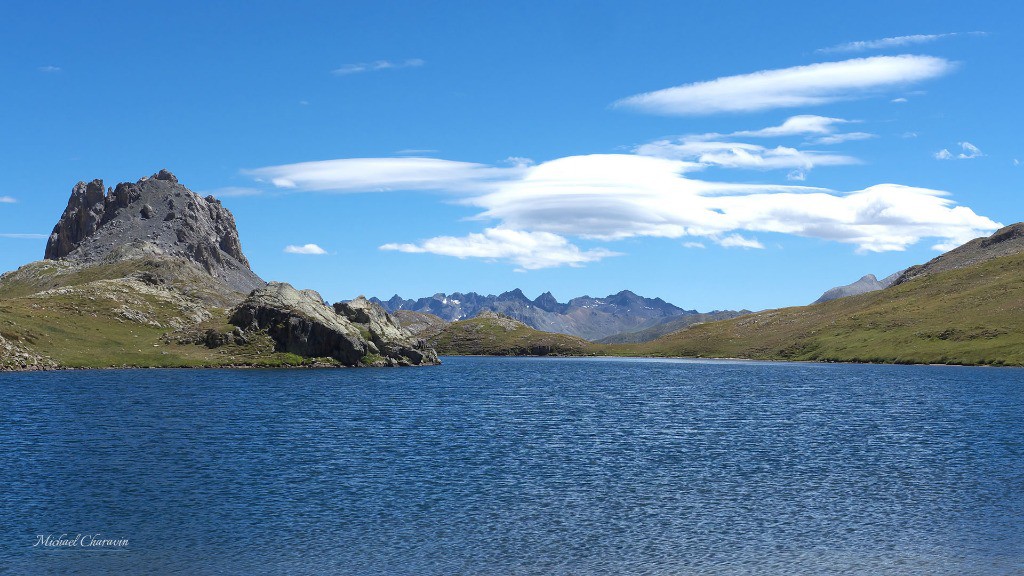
154 216
356 333
1004 242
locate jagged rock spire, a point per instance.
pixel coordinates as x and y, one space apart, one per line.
154 216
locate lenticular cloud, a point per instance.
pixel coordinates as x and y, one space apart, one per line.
809 85
608 197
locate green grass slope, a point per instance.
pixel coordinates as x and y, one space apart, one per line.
126 314
973 315
495 335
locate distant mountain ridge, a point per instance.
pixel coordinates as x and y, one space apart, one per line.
867 283
585 316
671 325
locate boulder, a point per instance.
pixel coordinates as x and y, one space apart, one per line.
357 333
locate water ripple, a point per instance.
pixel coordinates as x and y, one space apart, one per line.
519 466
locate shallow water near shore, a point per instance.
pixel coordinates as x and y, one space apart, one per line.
517 466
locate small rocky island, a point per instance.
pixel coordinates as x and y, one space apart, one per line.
150 274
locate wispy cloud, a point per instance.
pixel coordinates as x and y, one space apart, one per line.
232 192
609 197
742 155
376 66
383 174
796 126
7 200
899 100
892 42
810 85
840 138
416 152
737 241
49 69
309 249
528 250
816 129
969 151
25 236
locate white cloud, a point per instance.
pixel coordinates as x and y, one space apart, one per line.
969 151
619 196
737 241
714 149
840 138
694 245
823 128
741 155
809 85
797 125
7 200
899 100
892 42
1016 162
882 43
796 176
49 69
610 197
382 174
24 236
529 250
231 192
311 249
376 66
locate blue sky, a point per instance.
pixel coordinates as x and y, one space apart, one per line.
718 155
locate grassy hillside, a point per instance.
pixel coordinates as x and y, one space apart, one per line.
494 335
123 314
973 315
669 326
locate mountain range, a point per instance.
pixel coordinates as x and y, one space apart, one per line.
585 316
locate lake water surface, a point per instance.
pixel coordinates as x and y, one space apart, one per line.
517 466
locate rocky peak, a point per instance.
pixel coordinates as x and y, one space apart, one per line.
165 174
515 295
547 302
866 283
623 298
154 216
